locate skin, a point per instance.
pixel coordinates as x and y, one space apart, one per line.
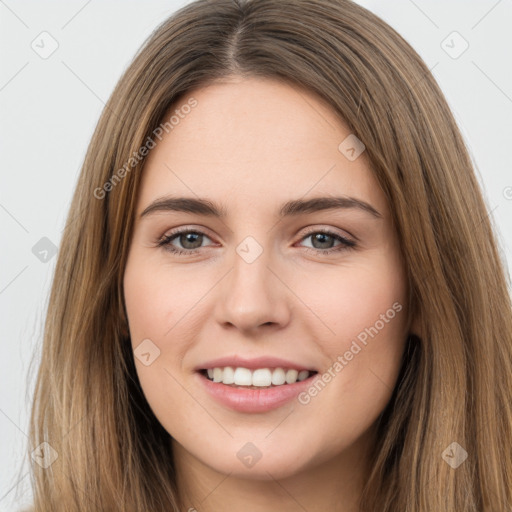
252 144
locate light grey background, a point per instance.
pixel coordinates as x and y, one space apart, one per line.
49 108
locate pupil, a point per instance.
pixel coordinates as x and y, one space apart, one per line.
187 240
319 237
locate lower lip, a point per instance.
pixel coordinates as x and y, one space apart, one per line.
254 400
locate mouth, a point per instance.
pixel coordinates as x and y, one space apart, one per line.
254 385
255 390
258 379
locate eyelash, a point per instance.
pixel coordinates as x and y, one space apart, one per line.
165 242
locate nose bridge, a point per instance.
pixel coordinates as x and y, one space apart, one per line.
251 294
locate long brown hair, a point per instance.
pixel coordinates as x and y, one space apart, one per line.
456 379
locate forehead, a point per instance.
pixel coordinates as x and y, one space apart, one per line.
256 141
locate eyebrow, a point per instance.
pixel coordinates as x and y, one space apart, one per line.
291 208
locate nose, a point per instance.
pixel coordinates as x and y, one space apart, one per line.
252 297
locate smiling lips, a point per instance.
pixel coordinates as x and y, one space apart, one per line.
256 385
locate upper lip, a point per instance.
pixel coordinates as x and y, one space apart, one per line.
257 362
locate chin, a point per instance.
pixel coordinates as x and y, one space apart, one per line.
244 460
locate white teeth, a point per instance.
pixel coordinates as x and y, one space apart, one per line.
278 377
217 375
302 375
243 377
261 377
291 376
228 376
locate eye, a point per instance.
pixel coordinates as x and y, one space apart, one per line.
323 239
190 240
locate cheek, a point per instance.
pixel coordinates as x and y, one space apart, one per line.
156 298
363 333
155 302
351 302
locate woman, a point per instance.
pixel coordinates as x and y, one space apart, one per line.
260 369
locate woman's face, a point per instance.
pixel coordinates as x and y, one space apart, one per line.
278 282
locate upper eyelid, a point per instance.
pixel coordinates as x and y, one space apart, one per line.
186 229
